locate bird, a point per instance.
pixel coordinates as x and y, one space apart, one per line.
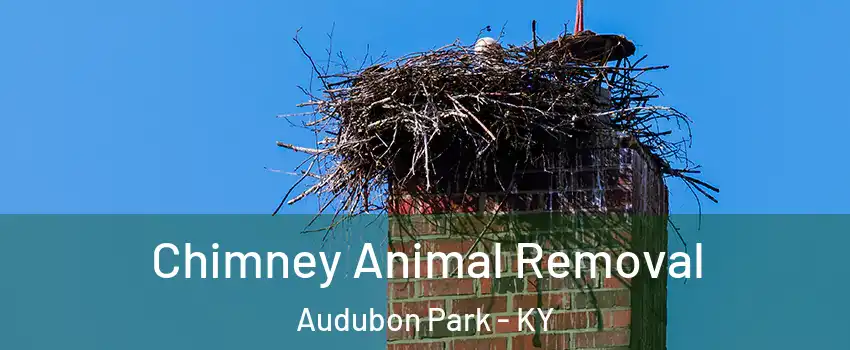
489 53
485 44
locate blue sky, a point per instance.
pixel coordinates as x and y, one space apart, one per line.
169 106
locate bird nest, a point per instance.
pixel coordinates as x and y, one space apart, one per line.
457 114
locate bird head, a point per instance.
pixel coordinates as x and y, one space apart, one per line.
485 44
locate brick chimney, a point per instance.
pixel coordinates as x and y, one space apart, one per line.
603 177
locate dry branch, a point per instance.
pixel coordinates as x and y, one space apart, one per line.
449 115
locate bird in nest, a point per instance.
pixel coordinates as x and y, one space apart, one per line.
488 51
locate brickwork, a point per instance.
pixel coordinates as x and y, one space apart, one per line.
615 183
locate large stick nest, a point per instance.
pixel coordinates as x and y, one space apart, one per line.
450 115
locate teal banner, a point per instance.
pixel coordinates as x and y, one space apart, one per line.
88 282
100 281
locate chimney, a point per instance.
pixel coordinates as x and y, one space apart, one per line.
545 144
600 177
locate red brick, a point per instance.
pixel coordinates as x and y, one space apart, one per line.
437 245
491 268
398 269
558 301
440 287
601 299
411 226
535 284
416 307
488 304
572 283
417 346
547 342
576 312
402 290
569 320
402 205
447 246
543 265
486 285
509 324
480 344
448 204
401 334
601 339
616 283
612 319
